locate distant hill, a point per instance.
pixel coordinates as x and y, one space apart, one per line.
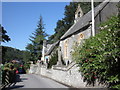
9 54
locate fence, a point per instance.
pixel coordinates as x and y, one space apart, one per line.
8 78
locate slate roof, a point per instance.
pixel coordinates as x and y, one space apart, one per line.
81 23
84 20
51 48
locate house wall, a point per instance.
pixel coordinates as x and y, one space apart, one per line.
69 75
109 10
71 42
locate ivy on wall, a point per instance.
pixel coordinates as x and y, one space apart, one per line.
99 56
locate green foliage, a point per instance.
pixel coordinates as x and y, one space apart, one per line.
37 38
27 66
65 23
30 47
116 87
9 54
26 59
8 71
53 59
7 66
4 38
99 56
26 56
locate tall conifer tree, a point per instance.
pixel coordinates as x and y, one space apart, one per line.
37 39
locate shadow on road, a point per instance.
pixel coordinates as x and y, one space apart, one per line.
14 86
23 79
18 79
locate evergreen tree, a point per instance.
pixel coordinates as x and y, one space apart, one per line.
30 49
3 36
37 39
26 56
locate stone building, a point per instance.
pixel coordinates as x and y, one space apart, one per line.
80 30
48 51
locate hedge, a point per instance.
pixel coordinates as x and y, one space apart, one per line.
99 56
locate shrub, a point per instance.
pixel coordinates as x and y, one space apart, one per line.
99 56
53 59
8 74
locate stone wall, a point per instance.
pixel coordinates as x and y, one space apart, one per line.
68 75
33 68
71 42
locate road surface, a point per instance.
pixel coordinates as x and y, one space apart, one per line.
36 81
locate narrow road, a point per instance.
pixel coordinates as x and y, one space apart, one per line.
36 81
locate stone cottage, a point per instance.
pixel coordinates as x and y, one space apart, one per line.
80 30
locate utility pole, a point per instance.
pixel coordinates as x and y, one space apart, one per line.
93 21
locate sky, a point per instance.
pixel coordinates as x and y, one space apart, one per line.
20 19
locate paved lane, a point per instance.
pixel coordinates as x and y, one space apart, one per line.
36 81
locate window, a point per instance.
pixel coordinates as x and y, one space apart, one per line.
80 37
65 49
